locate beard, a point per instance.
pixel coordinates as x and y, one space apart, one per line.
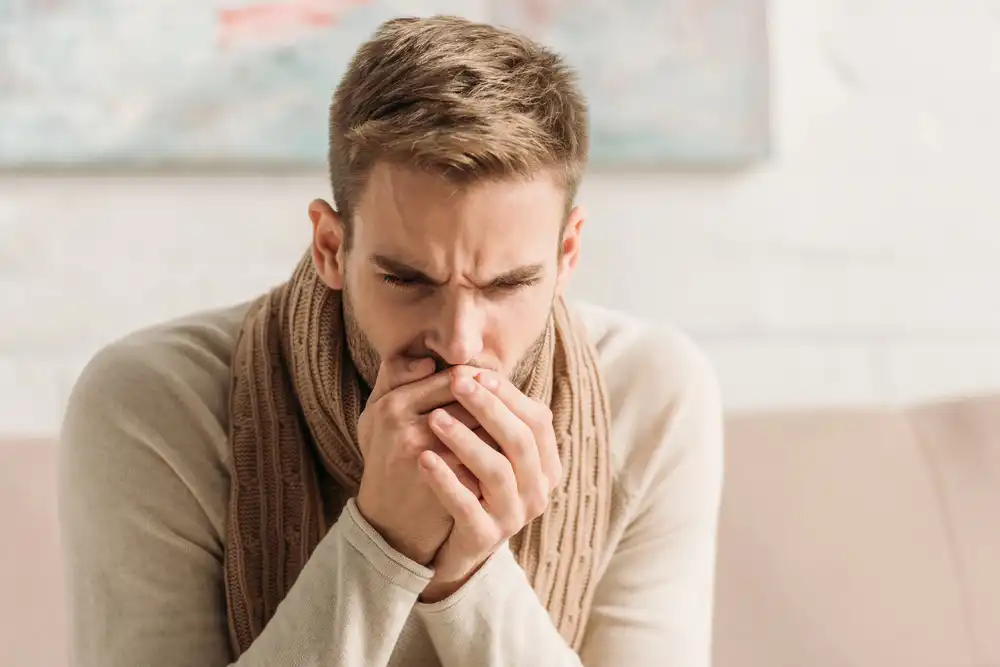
367 360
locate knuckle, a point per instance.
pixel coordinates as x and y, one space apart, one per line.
556 476
490 537
525 435
535 502
468 510
413 442
509 527
412 449
500 476
540 420
393 408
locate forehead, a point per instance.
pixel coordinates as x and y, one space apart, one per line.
411 211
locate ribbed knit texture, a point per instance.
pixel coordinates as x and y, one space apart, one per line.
294 406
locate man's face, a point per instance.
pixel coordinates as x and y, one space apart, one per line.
461 275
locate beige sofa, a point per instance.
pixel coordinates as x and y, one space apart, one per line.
848 538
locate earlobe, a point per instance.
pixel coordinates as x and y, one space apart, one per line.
328 243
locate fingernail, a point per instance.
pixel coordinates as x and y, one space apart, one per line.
464 386
488 381
442 418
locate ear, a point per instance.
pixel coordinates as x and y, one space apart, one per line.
328 248
569 247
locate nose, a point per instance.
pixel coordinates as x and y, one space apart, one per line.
457 334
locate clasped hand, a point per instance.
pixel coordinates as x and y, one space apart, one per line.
470 441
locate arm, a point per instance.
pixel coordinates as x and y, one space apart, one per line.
653 605
143 513
495 619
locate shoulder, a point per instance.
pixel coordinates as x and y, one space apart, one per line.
152 408
664 398
662 354
647 366
158 373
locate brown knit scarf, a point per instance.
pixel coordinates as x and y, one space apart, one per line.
294 406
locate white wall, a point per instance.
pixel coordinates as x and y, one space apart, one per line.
860 265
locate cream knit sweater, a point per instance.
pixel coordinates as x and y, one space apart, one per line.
144 496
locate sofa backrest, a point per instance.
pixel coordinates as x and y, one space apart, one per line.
32 609
862 538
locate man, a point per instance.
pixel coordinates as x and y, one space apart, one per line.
414 452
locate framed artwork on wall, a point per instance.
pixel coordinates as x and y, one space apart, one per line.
185 83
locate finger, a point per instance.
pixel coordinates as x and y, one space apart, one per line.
516 439
434 391
464 507
464 475
536 415
459 413
551 462
527 409
397 372
494 472
420 397
427 394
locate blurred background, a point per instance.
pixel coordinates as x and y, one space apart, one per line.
844 251
810 188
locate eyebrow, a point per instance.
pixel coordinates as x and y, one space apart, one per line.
521 274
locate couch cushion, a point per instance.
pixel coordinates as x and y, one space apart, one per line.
32 611
833 547
961 440
856 538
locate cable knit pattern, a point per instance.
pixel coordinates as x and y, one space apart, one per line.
294 405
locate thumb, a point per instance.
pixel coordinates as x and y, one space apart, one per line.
399 371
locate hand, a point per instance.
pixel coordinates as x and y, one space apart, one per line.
392 434
516 480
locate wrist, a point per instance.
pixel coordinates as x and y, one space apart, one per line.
438 589
409 548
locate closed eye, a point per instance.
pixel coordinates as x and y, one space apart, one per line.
504 286
512 285
400 283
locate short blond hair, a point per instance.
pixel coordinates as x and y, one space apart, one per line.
467 100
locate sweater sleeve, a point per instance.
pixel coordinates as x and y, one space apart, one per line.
653 604
495 619
145 553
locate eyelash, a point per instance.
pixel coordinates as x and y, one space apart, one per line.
397 282
404 284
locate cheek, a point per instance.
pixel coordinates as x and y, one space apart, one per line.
515 323
384 314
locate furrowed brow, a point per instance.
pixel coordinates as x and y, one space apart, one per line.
401 269
522 274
